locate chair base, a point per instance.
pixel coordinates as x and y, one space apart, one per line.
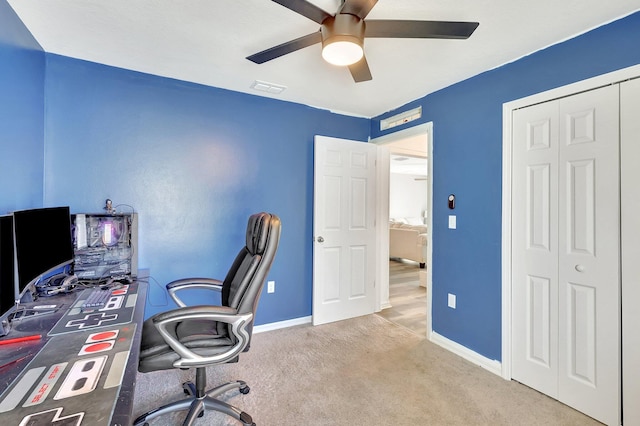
198 405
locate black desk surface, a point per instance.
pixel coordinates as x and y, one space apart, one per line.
82 370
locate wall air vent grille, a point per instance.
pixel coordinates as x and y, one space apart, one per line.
402 118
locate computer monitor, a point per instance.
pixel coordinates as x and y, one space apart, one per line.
7 261
43 244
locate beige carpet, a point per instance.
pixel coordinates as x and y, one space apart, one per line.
363 371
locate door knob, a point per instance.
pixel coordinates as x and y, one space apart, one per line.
320 240
579 268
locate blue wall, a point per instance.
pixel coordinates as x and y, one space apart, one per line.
195 162
467 162
22 70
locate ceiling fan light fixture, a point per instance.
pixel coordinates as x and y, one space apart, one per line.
342 39
342 35
342 52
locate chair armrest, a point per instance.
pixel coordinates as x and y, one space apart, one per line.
165 321
187 283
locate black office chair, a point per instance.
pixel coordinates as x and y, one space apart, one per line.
200 336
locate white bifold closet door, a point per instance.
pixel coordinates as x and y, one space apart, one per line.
565 251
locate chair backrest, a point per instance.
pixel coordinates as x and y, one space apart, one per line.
244 282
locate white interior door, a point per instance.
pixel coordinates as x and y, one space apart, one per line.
565 252
344 229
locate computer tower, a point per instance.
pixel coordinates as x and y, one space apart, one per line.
105 245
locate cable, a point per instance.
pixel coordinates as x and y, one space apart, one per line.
162 290
133 210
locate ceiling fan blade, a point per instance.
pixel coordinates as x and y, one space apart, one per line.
360 71
305 8
284 48
419 29
359 8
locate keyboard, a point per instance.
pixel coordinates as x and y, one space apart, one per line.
97 298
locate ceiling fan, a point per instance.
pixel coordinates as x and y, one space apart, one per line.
342 35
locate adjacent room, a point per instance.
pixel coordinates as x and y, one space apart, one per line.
215 139
409 187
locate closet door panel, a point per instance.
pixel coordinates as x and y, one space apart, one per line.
630 177
535 248
588 232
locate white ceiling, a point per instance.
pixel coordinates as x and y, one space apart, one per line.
406 165
206 42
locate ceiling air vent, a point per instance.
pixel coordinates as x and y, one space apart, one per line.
402 118
264 86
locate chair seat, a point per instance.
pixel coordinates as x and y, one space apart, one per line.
201 336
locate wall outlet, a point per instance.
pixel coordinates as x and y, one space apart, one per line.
271 286
452 301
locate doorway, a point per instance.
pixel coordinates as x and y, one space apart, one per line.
406 296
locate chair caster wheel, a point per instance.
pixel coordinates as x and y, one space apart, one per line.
189 388
244 390
246 419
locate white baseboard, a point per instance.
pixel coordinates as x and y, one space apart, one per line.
282 324
385 306
491 365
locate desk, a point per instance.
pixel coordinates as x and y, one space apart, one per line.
82 371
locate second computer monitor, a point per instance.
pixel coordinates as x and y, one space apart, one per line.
43 243
7 262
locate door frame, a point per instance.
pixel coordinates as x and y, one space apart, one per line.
382 208
507 141
630 248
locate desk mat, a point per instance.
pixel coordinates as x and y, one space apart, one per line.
53 388
118 310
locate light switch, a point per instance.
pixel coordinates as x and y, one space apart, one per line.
452 221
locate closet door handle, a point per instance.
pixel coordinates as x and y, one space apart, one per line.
320 240
579 268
